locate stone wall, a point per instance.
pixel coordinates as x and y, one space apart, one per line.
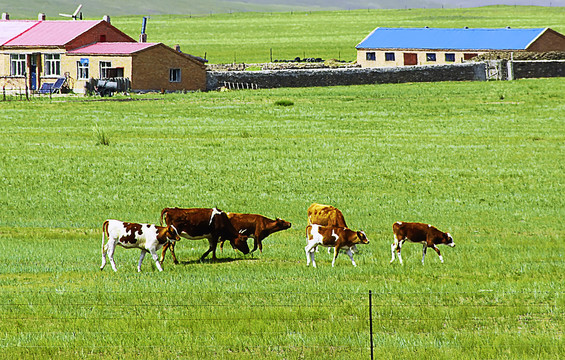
356 76
538 69
472 71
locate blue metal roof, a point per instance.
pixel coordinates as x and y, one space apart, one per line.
450 39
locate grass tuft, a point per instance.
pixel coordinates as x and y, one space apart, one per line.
284 103
101 137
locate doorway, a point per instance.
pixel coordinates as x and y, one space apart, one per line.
410 59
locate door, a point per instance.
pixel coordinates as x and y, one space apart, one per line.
33 72
410 59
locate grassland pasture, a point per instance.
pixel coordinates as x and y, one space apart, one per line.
484 161
250 37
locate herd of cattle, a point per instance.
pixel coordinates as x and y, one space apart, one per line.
326 227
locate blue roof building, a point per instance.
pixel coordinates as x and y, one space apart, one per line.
427 46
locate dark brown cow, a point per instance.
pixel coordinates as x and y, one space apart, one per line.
336 237
256 226
198 223
425 234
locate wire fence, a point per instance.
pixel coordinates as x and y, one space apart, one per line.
352 323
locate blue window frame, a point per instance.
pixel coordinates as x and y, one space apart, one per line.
389 56
371 56
449 57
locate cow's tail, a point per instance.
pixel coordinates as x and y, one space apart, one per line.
104 234
163 214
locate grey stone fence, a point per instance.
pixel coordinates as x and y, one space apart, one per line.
472 71
333 77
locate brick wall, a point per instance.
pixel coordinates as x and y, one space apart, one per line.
151 70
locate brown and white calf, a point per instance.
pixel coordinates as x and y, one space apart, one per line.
257 227
197 223
336 237
147 237
326 215
424 234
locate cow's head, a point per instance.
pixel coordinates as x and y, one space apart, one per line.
362 237
448 240
240 243
172 233
282 224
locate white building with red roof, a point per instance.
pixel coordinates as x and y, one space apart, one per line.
33 53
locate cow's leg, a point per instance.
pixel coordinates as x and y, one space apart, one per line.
141 257
336 253
424 253
312 255
393 247
256 244
111 248
172 248
310 250
350 253
439 254
399 250
155 257
169 245
212 249
104 250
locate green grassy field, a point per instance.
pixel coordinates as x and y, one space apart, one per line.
484 161
249 37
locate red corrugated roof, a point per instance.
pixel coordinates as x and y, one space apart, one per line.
112 48
52 33
9 29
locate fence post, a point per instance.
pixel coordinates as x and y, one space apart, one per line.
371 320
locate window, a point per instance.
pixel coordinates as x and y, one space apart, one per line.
449 57
389 56
104 67
174 75
82 69
371 56
430 57
52 64
17 64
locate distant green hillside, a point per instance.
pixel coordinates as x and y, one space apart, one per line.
249 37
97 8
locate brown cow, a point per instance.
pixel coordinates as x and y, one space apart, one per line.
336 237
425 234
198 223
256 226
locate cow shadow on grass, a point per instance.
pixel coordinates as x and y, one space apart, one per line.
217 261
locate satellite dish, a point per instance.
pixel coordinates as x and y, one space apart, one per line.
76 14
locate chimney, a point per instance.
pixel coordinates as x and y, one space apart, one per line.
5 16
142 38
41 16
106 18
177 48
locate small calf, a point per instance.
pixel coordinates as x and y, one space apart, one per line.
336 237
425 234
147 237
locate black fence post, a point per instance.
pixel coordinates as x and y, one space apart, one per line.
371 320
